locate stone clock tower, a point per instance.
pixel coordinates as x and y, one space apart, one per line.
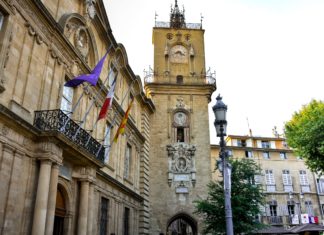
181 89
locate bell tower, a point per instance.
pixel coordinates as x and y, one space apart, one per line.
180 87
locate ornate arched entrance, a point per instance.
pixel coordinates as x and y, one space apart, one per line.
60 212
182 224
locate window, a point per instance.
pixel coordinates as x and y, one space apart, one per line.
320 185
104 216
179 79
180 134
1 20
270 181
266 155
257 179
248 154
284 143
309 207
126 221
112 74
107 143
322 208
304 183
67 98
128 153
287 181
265 144
241 143
291 209
283 155
273 210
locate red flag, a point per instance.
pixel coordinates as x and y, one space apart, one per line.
108 101
121 128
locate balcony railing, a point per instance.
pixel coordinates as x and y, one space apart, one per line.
274 220
58 121
270 187
305 188
162 24
187 80
288 188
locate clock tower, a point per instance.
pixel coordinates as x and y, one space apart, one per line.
180 87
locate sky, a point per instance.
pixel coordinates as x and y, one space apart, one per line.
268 54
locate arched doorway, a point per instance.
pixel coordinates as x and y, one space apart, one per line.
60 213
182 224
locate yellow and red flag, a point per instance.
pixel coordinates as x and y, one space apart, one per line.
121 128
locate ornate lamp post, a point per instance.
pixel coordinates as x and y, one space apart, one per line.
220 123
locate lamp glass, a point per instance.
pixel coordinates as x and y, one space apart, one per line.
220 114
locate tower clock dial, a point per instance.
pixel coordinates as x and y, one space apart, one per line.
179 54
180 118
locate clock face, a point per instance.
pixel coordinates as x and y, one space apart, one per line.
179 54
180 118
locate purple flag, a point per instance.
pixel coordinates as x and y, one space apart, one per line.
92 78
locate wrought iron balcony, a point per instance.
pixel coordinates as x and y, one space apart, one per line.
58 121
274 220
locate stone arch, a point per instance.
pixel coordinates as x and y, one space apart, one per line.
182 224
63 208
75 28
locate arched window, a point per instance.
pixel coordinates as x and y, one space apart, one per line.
67 99
179 79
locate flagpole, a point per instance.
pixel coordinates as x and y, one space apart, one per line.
85 88
114 119
93 102
97 119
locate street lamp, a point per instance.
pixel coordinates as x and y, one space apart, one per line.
220 123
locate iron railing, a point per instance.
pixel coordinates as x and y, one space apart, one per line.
162 24
57 120
274 220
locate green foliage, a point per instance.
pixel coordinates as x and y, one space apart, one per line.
305 133
246 200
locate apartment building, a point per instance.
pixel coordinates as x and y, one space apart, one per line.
294 194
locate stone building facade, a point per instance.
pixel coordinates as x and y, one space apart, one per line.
180 89
60 172
293 192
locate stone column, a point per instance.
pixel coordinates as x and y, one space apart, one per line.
90 209
83 209
40 211
52 200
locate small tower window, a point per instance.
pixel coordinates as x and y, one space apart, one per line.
179 79
180 134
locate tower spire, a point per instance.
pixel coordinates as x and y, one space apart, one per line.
177 17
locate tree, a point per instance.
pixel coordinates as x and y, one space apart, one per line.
246 199
305 134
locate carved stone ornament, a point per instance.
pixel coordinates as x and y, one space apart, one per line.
91 9
180 103
181 164
81 41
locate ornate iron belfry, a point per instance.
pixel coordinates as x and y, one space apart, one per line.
177 17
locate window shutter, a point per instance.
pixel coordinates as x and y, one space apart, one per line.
268 210
303 177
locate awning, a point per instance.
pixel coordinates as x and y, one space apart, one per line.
306 228
272 230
